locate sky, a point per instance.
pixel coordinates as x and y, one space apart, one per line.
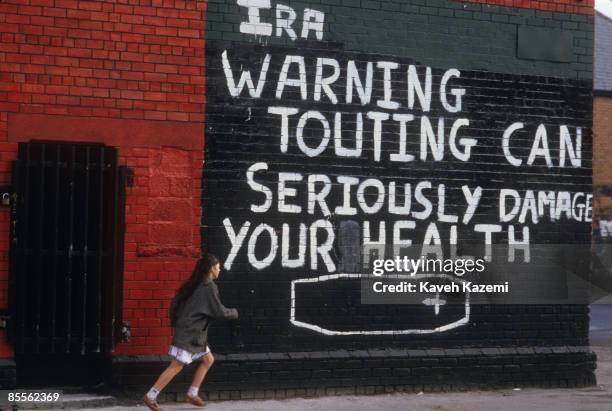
604 7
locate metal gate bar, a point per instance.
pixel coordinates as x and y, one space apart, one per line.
100 241
54 244
85 249
68 278
39 246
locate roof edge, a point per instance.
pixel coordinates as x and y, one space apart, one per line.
600 14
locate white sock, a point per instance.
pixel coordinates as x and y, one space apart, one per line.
193 391
152 394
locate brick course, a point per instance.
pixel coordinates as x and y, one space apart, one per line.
563 6
102 59
344 372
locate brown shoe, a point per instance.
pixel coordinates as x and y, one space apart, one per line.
195 400
152 404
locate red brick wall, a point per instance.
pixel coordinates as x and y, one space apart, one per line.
561 6
602 153
129 74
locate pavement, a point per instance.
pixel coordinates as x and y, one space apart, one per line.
595 398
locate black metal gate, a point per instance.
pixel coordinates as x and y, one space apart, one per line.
66 261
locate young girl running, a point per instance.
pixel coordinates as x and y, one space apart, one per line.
193 308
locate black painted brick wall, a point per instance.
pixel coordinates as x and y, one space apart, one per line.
340 372
436 32
263 354
8 373
241 132
501 88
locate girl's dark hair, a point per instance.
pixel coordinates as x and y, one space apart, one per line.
200 272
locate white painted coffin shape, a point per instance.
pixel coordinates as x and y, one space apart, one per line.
441 328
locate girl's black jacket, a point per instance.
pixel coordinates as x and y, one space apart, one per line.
195 315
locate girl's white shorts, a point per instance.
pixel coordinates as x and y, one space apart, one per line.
186 357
